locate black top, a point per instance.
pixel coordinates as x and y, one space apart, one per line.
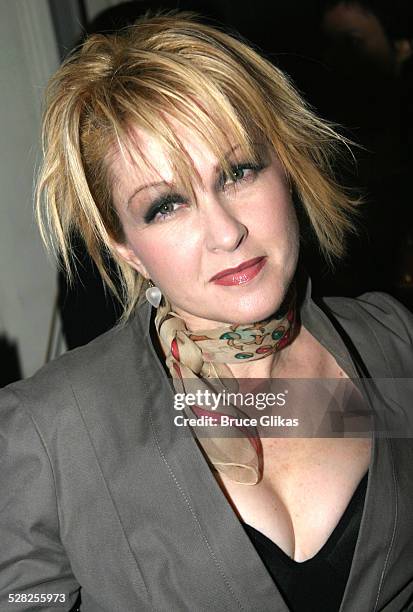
315 585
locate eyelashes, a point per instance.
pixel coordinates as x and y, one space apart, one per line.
163 206
240 174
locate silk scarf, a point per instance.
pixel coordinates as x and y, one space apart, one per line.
197 360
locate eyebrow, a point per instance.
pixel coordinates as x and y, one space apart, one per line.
159 183
142 187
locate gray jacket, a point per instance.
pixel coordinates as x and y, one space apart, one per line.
99 491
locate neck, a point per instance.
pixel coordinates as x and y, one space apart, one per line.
275 365
261 368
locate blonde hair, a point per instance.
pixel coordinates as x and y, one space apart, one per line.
172 65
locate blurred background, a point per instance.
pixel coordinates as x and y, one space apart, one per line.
351 60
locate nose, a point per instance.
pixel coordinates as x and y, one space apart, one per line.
223 231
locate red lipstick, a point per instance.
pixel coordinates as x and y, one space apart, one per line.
241 274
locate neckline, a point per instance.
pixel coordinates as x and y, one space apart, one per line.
330 543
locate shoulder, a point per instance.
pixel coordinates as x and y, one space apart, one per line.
104 363
382 313
379 328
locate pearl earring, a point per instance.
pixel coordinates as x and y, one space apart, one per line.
153 295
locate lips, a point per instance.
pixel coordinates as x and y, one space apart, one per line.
241 274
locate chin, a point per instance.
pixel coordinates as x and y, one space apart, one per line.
229 306
255 309
255 315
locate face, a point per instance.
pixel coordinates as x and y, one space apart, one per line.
229 255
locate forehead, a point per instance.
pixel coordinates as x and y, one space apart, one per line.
155 156
145 157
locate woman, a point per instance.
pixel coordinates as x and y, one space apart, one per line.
178 149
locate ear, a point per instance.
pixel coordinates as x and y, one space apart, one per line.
403 49
128 255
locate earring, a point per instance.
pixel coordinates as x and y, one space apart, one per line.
153 295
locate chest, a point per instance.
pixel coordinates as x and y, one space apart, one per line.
305 488
307 482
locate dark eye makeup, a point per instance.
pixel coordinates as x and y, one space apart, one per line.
240 173
164 206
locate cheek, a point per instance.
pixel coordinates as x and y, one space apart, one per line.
292 226
167 254
275 215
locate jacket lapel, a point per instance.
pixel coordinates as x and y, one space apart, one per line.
372 549
244 582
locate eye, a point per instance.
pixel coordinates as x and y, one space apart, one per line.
164 207
240 174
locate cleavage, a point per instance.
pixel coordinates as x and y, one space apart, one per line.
298 505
